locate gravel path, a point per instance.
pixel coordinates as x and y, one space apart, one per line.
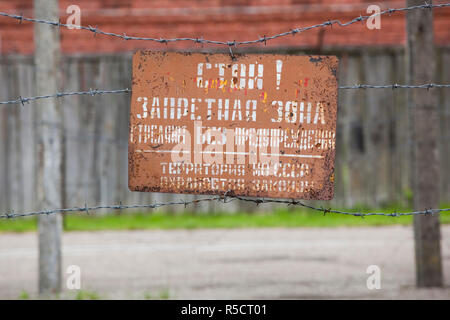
228 264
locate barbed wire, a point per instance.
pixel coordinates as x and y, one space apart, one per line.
223 199
93 92
230 44
396 86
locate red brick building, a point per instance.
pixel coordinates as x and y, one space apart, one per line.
224 20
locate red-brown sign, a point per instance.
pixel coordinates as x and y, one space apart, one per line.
258 125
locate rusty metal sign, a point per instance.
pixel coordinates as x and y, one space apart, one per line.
256 125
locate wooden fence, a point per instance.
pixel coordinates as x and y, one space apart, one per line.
373 154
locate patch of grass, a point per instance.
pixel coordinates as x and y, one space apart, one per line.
286 217
18 225
164 294
87 295
24 295
239 220
147 296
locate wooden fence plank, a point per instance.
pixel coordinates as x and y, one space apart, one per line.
378 104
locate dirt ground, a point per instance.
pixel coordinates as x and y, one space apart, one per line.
228 263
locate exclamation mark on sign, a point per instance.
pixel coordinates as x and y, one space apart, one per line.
279 66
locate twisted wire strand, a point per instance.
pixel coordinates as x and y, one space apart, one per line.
230 44
224 199
93 92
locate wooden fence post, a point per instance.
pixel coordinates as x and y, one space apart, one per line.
49 126
423 111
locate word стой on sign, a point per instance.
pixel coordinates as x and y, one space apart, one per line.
258 125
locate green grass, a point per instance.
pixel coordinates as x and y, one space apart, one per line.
282 217
24 295
147 296
18 225
87 295
164 294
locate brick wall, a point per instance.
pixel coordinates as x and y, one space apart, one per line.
215 19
